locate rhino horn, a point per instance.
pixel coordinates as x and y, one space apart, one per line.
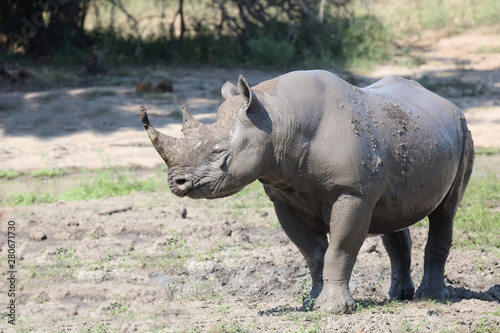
164 144
188 122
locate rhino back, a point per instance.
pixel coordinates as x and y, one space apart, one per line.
394 142
422 137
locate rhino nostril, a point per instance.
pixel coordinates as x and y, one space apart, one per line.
180 181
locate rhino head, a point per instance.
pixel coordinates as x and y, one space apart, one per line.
220 159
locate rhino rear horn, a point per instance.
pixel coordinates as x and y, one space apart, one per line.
189 123
164 144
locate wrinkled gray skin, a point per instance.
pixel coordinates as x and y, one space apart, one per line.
337 160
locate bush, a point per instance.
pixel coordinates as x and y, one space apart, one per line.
267 51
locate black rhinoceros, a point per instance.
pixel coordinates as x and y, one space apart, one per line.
335 160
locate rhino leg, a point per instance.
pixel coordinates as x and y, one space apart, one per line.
398 246
441 228
349 223
311 244
436 252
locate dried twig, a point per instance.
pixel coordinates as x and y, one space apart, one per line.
115 210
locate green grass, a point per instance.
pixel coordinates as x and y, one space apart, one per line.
9 174
477 223
49 172
378 307
252 196
486 151
484 49
479 215
108 183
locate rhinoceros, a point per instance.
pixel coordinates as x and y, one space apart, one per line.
339 163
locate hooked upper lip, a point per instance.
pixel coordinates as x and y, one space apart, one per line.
185 186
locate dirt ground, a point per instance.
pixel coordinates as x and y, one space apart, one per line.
168 264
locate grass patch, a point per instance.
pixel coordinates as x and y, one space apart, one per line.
27 199
378 307
484 49
9 174
57 172
204 290
61 264
252 196
479 215
108 183
486 151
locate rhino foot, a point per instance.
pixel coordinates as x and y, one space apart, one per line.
435 291
335 299
309 301
402 290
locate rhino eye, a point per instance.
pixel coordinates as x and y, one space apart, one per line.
218 151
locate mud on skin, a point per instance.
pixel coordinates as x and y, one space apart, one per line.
339 160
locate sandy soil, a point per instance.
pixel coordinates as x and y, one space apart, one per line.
219 267
222 267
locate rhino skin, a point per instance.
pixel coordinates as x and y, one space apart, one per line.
335 160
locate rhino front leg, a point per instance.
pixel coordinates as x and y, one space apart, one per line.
398 246
311 244
349 223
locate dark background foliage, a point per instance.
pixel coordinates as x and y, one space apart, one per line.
254 32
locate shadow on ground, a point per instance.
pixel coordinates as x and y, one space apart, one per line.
65 111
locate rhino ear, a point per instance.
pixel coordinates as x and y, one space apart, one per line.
229 90
252 109
245 91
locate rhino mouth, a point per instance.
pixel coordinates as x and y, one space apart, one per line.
186 188
188 185
206 192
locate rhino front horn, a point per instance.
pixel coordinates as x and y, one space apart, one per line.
188 122
164 144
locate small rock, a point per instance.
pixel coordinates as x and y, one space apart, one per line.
38 235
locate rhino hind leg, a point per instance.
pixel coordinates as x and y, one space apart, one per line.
436 252
398 246
441 228
311 244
